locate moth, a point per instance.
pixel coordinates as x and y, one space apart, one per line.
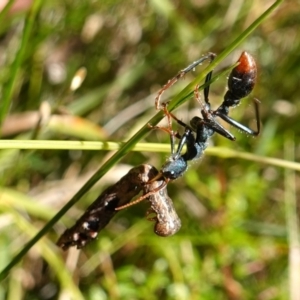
139 179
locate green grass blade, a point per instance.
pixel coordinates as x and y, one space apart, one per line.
10 86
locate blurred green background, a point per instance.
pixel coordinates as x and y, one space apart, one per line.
239 237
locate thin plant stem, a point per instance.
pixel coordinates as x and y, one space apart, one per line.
143 147
292 222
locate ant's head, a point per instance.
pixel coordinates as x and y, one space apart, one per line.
174 167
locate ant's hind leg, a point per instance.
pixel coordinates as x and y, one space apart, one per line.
240 126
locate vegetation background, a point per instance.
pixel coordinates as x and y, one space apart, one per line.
239 237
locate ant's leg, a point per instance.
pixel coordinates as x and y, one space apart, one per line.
186 139
208 118
204 107
180 74
171 133
217 127
206 89
240 126
165 129
181 123
168 129
140 199
209 126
